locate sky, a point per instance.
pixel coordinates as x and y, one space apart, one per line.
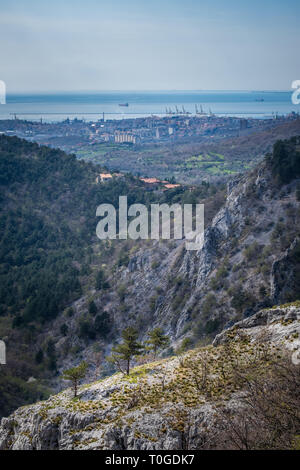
76 45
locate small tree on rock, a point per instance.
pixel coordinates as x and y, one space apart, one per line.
157 340
75 374
123 353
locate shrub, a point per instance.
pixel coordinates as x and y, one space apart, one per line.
92 308
241 300
101 282
252 251
123 260
152 302
39 357
86 329
70 312
121 292
209 304
155 264
285 161
102 324
64 329
211 326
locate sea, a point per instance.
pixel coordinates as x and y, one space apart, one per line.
90 106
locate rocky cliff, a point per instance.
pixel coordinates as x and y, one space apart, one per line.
178 403
249 261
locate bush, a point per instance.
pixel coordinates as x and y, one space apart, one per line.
211 326
101 282
185 345
152 303
102 324
64 329
86 329
155 264
70 312
285 161
92 308
268 417
241 300
39 357
122 292
209 304
252 251
123 260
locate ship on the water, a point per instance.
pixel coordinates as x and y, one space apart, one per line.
124 104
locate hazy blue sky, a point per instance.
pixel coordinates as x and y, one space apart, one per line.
149 45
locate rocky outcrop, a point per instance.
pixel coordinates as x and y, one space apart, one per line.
280 325
158 406
283 276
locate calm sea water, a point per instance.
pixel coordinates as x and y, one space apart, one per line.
90 106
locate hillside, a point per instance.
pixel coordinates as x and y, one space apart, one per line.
250 260
67 296
202 399
50 257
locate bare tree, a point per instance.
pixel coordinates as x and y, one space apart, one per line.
268 415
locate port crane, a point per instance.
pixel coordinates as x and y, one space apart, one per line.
201 112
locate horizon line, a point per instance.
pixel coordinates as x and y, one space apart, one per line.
52 92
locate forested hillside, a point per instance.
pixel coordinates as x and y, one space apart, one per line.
67 296
49 253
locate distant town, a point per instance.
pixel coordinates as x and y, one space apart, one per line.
71 134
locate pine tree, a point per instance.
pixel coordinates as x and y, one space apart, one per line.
75 374
157 340
126 351
101 282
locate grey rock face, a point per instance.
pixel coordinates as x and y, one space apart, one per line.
96 421
282 275
278 323
167 286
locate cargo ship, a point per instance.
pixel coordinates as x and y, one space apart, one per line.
124 104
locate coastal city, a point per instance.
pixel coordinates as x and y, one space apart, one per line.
71 134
